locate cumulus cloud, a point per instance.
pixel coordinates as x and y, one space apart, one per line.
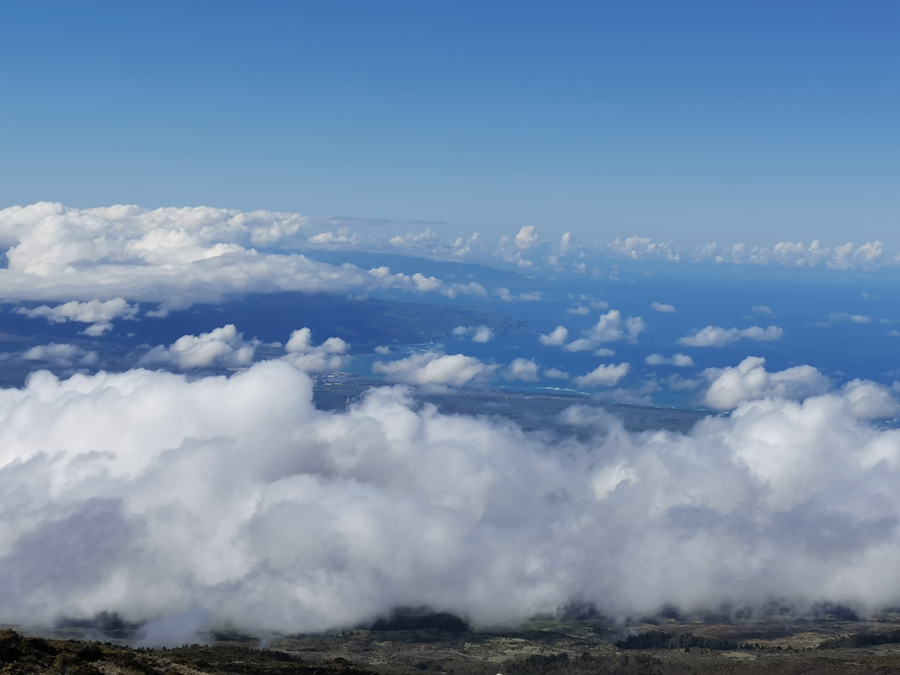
870 400
762 309
222 347
610 327
95 312
190 502
677 360
522 369
173 256
526 238
750 380
61 355
716 336
414 240
637 248
526 296
481 334
332 354
555 338
604 375
434 368
660 307
796 254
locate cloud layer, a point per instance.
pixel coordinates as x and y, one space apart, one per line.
236 499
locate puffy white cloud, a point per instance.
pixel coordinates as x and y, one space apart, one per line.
522 369
61 355
173 256
434 368
482 334
762 309
797 254
556 374
869 400
636 248
215 499
330 355
610 327
660 307
580 345
677 360
604 375
750 380
411 240
413 282
95 312
526 296
222 347
716 336
556 338
526 238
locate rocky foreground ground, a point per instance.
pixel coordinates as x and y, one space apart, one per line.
768 645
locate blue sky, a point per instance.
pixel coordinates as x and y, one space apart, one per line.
692 121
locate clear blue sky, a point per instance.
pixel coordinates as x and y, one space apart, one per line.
694 121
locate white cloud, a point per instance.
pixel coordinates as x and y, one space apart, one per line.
95 312
173 256
526 238
852 318
677 360
235 499
556 374
522 369
637 248
762 309
610 327
555 338
306 356
383 350
61 355
433 368
870 400
750 380
411 240
797 254
604 375
716 336
222 347
482 334
580 345
660 307
604 351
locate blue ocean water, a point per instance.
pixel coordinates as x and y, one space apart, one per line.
843 323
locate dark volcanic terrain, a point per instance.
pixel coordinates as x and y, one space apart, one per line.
826 644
